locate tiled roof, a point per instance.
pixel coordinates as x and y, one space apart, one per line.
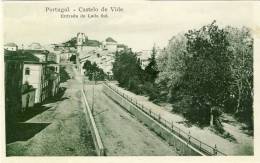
36 51
20 55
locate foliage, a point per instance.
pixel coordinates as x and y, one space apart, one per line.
241 88
202 73
171 68
73 58
71 43
93 71
127 70
151 70
206 68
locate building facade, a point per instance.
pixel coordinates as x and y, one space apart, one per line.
13 87
35 74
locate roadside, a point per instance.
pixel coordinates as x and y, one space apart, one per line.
121 133
59 130
242 146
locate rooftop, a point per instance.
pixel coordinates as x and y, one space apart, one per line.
35 46
11 44
93 43
110 39
20 55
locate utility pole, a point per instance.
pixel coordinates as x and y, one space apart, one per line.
93 91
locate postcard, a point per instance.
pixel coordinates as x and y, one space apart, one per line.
96 79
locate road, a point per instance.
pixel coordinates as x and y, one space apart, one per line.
58 128
121 133
244 144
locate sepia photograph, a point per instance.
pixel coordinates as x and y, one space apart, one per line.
128 79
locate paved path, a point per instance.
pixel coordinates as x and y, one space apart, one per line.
243 146
60 130
121 133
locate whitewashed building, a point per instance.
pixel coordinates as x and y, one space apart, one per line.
11 46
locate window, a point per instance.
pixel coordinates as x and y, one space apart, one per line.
27 71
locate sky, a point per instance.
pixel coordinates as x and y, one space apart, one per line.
140 25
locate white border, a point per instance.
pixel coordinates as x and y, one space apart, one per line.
167 159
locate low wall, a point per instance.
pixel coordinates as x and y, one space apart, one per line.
182 147
93 128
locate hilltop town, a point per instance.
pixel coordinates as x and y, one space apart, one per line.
88 96
33 75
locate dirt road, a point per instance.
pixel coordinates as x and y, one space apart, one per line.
121 133
59 130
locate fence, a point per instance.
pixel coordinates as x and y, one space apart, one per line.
194 142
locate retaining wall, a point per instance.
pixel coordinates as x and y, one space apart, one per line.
93 128
181 146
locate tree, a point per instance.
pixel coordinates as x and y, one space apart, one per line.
171 68
209 70
127 70
71 43
151 70
208 74
241 88
93 71
73 58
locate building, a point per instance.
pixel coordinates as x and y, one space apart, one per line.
35 74
110 44
101 53
85 45
54 60
35 46
41 54
35 71
145 55
121 47
11 47
13 86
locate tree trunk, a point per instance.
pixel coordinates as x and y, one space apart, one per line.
239 96
211 118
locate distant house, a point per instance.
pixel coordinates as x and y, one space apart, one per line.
35 46
84 45
102 53
121 47
110 44
143 57
11 47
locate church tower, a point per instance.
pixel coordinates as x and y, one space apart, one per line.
81 39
